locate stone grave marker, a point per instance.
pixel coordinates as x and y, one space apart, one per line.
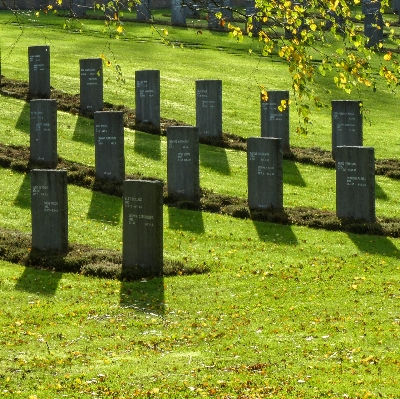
347 124
39 71
109 145
183 162
143 11
43 132
49 209
274 122
193 9
147 95
355 183
227 9
209 108
214 23
251 11
178 12
91 84
78 8
142 247
265 173
373 28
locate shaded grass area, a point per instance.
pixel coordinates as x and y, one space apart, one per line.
17 158
15 247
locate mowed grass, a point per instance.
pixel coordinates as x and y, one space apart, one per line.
285 311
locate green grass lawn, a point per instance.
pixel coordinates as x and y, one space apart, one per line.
284 311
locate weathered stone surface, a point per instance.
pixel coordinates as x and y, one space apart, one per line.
142 248
39 71
355 183
43 132
183 162
49 208
265 173
109 145
91 84
275 123
347 124
147 94
209 108
143 10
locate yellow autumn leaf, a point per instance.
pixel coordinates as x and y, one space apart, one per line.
165 32
313 27
120 29
37 13
387 56
59 2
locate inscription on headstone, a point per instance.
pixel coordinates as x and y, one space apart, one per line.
355 183
147 95
109 145
43 132
91 84
373 28
142 249
213 21
209 108
265 175
183 162
39 71
143 10
49 208
347 129
275 117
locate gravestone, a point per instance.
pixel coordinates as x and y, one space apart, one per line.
355 183
39 71
91 84
109 145
209 108
214 23
333 17
396 6
142 248
227 10
147 95
347 124
178 12
193 9
264 173
275 123
373 28
43 132
143 10
370 7
251 12
49 208
183 162
78 8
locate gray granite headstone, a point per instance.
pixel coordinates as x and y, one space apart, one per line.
214 23
183 162
143 10
227 10
147 95
142 247
209 108
91 84
355 183
370 7
178 12
373 28
109 145
193 9
39 71
78 8
396 6
265 174
251 12
275 122
43 132
347 124
49 208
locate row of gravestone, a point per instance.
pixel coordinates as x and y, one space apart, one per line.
180 10
346 115
142 227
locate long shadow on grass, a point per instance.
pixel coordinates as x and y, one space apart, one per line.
23 198
215 158
105 208
183 219
292 175
375 245
280 234
148 145
380 193
41 282
84 130
23 122
145 296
